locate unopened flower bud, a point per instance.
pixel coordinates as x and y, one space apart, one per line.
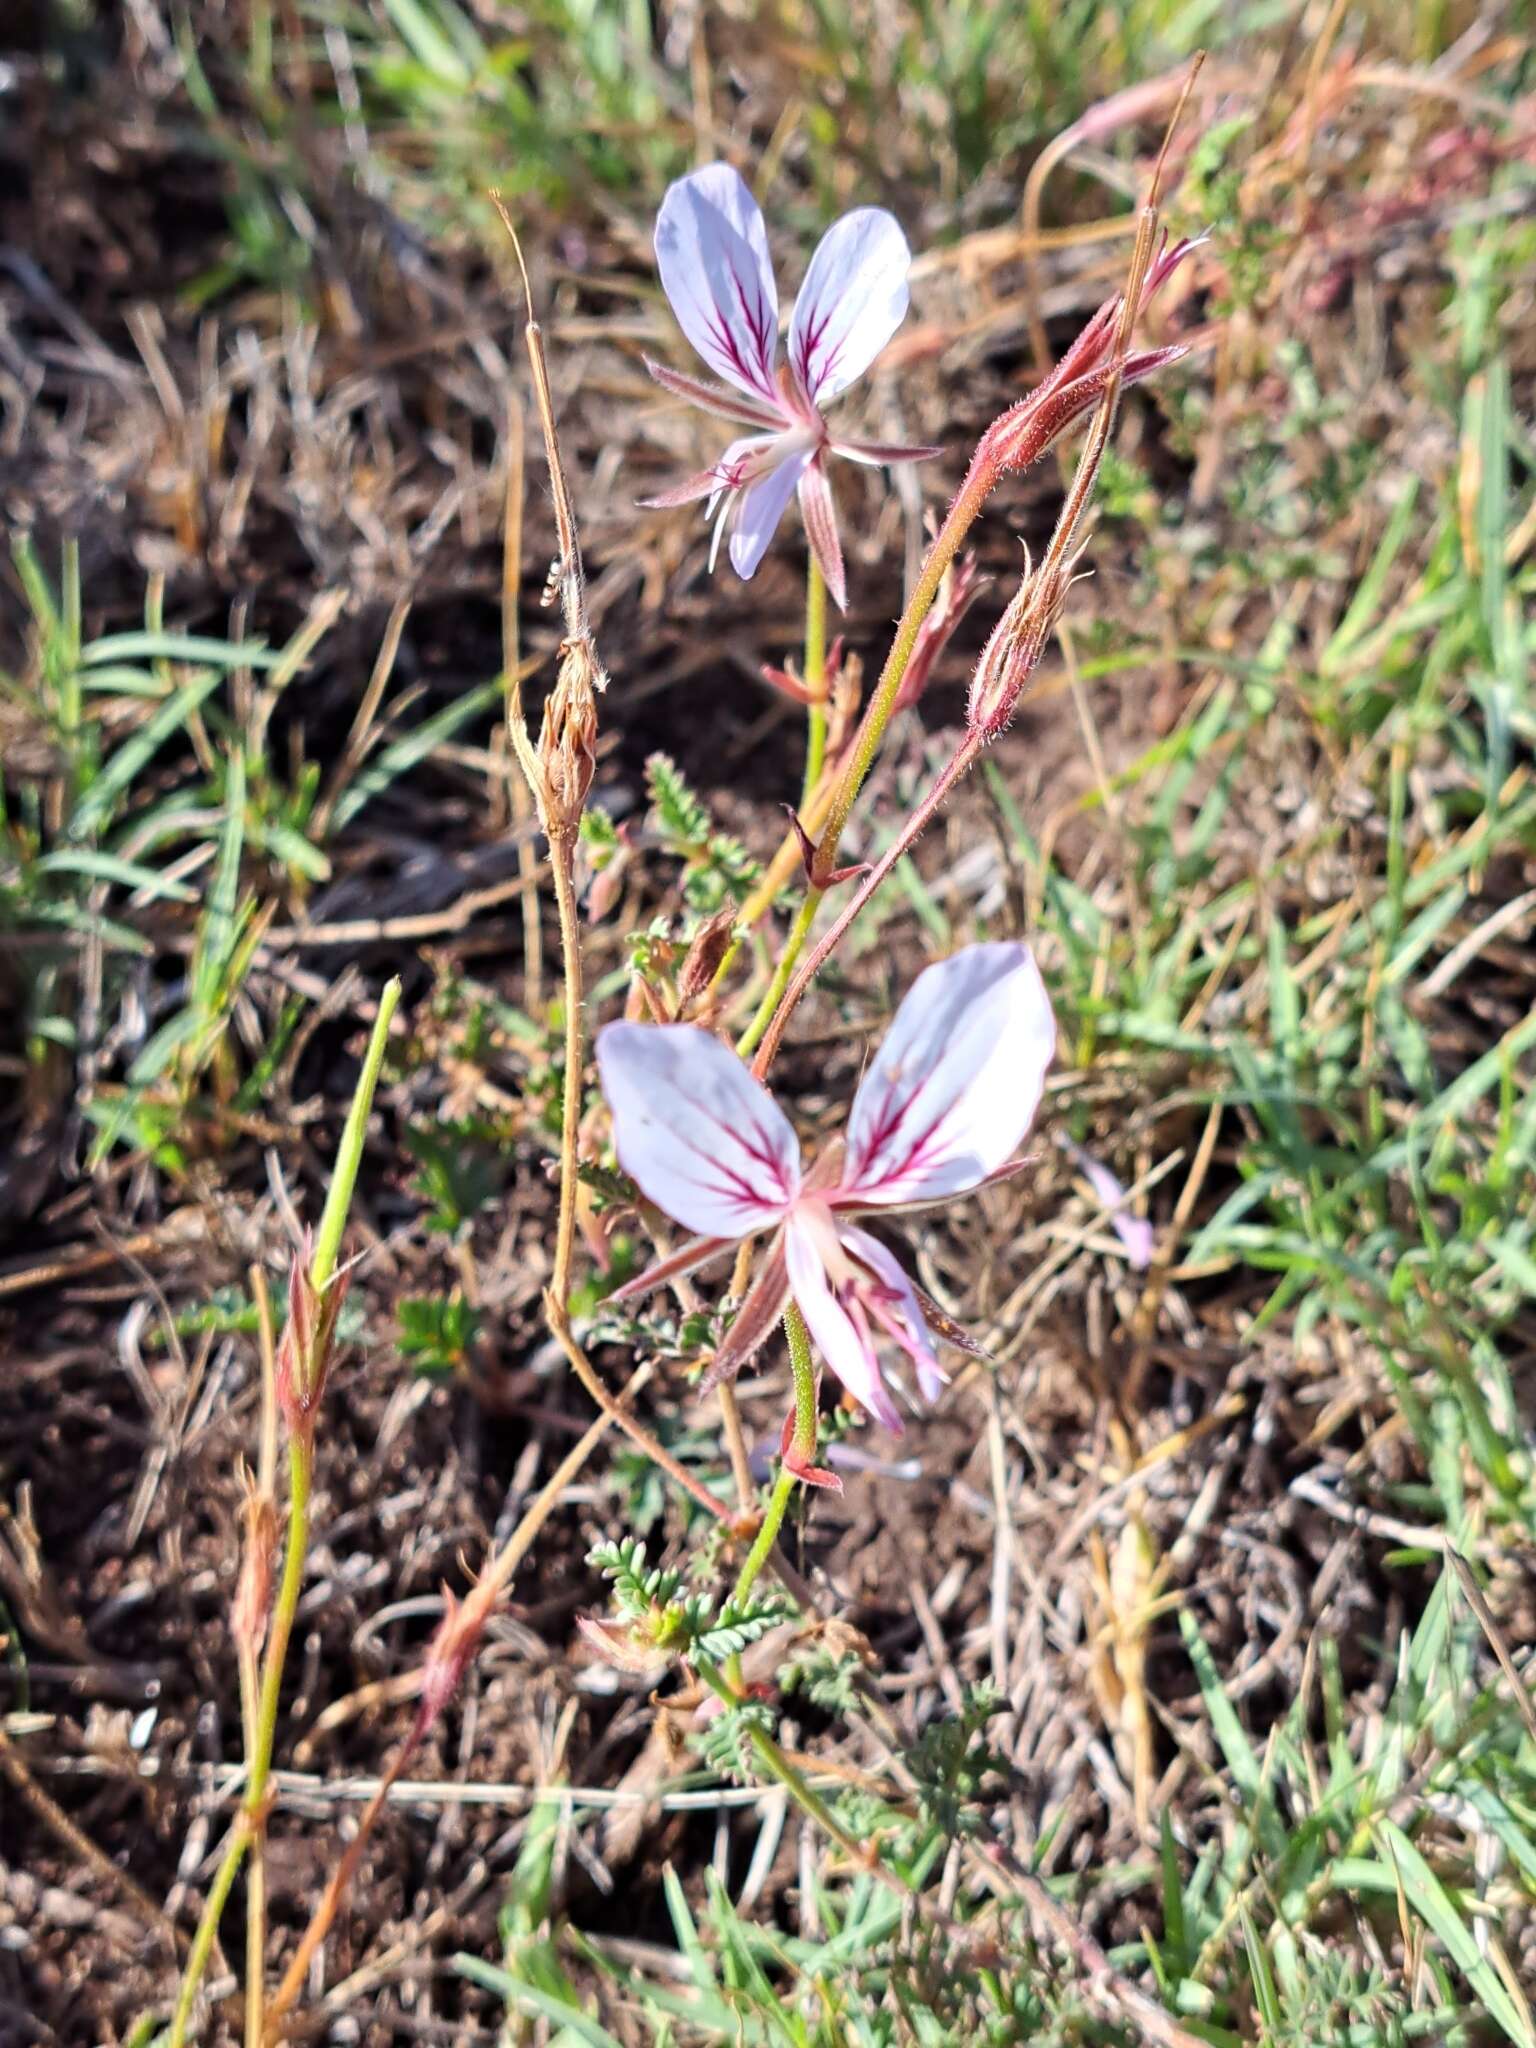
1022 434
252 1604
1013 652
304 1350
450 1650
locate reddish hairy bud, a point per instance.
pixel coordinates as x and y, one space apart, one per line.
304 1351
252 1604
1013 652
450 1651
1023 433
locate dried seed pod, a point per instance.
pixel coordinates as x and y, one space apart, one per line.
567 751
711 942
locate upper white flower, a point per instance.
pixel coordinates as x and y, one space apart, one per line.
712 253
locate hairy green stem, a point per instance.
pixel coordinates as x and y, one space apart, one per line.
799 932
815 677
959 520
767 1535
803 1367
349 1155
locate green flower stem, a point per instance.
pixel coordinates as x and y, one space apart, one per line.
804 1370
962 515
767 1535
249 1821
973 493
301 1469
349 1156
207 1928
815 760
800 931
804 1794
815 677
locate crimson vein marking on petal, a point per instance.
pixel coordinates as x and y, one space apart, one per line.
732 1186
761 1154
724 339
809 341
888 1129
754 312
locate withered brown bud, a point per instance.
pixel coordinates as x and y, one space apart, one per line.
711 943
568 737
252 1604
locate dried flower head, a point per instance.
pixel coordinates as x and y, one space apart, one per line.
567 751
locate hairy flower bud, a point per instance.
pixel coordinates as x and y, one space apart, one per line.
452 1647
1021 435
304 1350
1013 652
252 1604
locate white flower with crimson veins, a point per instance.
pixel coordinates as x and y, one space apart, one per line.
945 1104
712 253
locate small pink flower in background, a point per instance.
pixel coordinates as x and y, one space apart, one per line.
712 252
1134 1232
944 1105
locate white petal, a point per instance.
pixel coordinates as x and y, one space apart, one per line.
760 509
700 1138
907 1309
853 300
957 1081
832 1328
712 252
